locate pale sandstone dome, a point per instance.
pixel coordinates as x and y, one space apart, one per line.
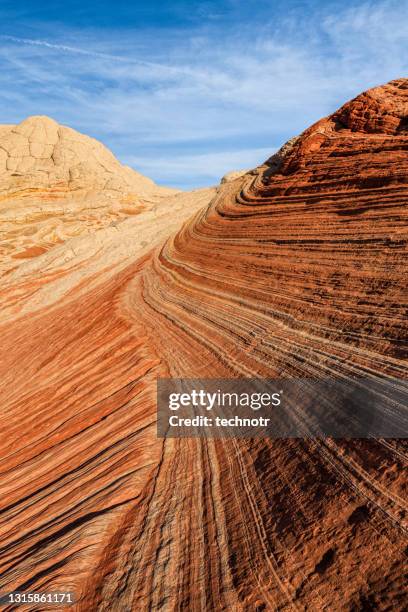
57 184
38 152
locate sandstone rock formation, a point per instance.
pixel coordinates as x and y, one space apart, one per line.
56 183
231 176
296 268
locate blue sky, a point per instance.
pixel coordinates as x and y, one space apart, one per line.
185 90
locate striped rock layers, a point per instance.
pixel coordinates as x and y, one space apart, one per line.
296 268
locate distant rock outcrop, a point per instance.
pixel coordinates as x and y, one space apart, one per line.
231 176
40 153
56 183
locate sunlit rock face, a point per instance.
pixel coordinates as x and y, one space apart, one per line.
296 268
56 183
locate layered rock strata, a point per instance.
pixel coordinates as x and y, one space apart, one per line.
296 268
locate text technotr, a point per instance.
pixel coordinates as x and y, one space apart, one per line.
204 421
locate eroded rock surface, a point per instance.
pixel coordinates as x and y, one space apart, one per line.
297 268
56 183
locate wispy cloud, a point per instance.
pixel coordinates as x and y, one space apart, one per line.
203 166
184 105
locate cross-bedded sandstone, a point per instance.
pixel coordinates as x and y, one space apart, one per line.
296 268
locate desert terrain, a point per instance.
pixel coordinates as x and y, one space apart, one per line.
108 282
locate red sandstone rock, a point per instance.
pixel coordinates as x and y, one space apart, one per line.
294 269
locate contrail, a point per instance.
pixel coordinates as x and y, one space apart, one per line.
80 51
59 47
